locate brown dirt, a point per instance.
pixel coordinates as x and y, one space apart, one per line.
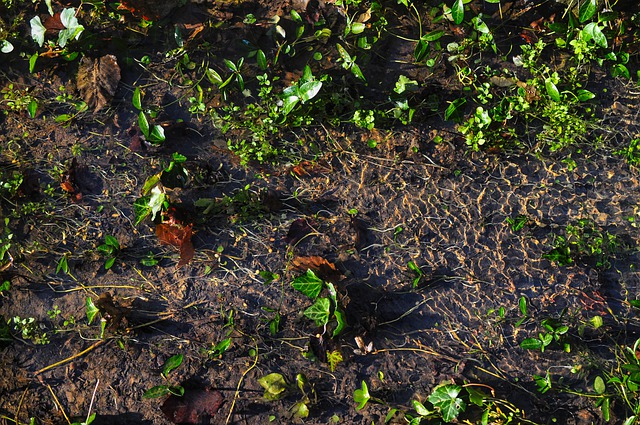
434 204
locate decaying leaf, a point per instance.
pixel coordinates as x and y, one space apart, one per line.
113 313
197 406
299 229
324 269
177 235
98 80
69 183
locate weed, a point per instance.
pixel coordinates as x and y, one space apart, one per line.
169 365
29 329
110 248
554 332
152 133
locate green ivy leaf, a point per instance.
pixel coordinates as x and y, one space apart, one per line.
157 391
457 12
171 364
361 396
137 99
587 10
552 90
531 344
319 312
141 209
274 386
91 309
37 30
445 398
309 284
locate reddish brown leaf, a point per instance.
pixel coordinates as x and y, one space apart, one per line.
299 229
69 183
323 268
179 236
195 407
53 23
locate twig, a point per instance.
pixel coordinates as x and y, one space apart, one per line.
75 356
55 399
235 396
16 420
93 397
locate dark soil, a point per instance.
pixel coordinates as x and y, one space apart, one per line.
438 205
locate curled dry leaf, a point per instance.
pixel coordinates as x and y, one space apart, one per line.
98 80
197 406
324 269
177 235
69 181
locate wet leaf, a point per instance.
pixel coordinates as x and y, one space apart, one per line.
299 229
195 407
274 386
98 80
324 269
319 312
309 284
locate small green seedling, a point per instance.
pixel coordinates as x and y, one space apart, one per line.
171 364
152 134
110 248
554 331
419 274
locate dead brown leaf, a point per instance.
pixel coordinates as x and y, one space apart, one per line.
179 236
98 80
324 269
299 229
197 406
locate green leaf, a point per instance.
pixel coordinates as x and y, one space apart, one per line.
334 358
176 390
296 16
552 90
454 111
357 28
319 312
91 310
598 385
137 101
289 103
445 398
213 77
143 124
157 134
109 262
357 72
220 348
6 46
457 12
433 35
309 284
346 57
171 364
156 201
141 209
232 66
262 59
361 396
37 30
587 10
110 240
476 396
522 304
309 90
32 108
32 62
619 70
584 95
274 386
419 408
421 50
157 391
531 344
592 31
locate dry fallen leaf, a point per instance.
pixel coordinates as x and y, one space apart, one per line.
98 80
321 267
179 236
195 407
299 229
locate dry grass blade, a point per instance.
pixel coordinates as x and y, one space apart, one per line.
98 80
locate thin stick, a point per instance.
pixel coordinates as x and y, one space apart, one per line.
16 420
93 397
75 356
55 399
235 396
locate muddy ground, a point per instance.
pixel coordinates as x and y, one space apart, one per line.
370 211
